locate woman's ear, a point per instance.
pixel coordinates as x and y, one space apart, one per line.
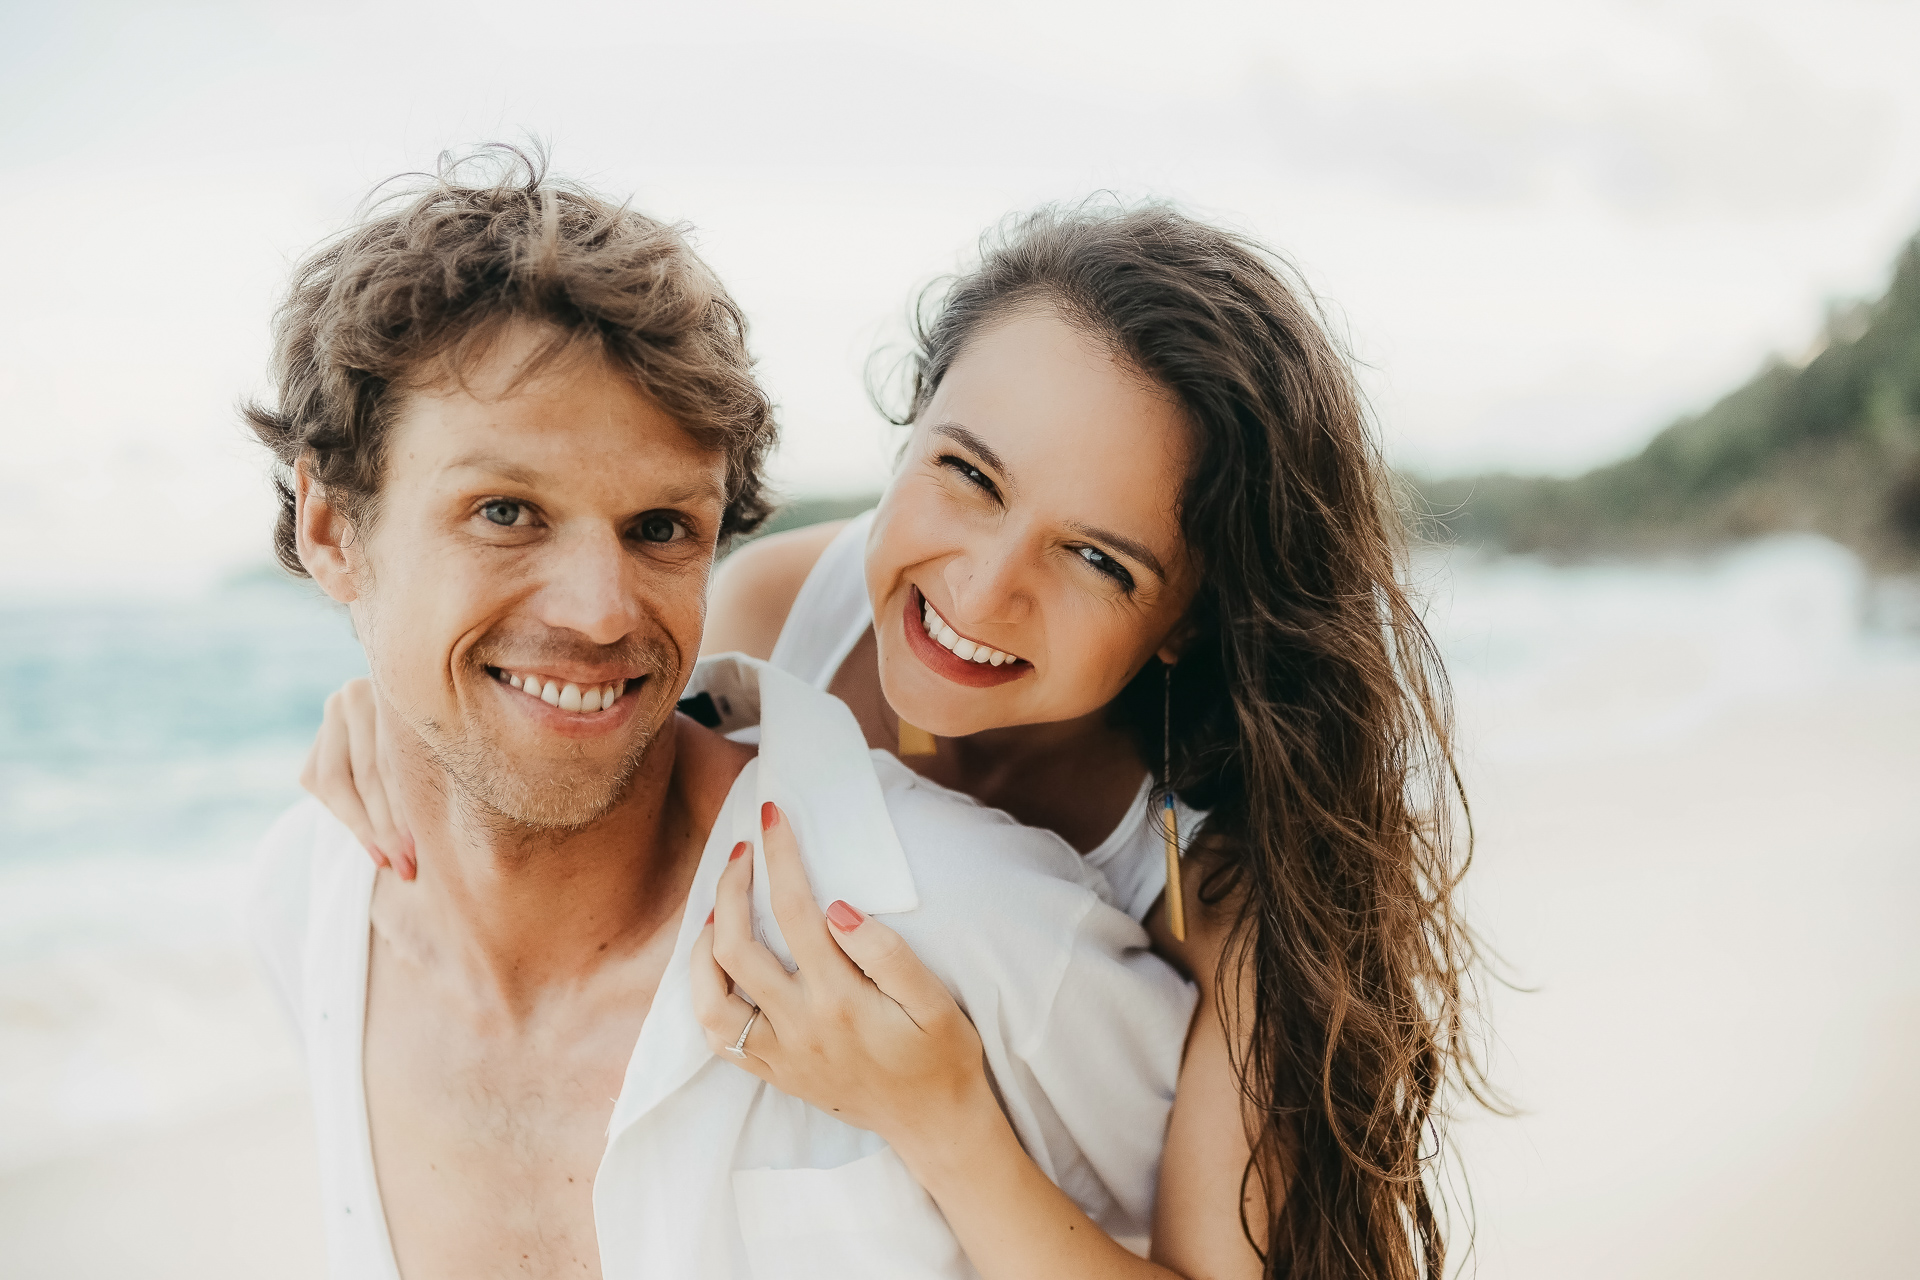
1176 643
322 535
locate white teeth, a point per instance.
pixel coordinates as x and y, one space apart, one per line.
569 697
962 647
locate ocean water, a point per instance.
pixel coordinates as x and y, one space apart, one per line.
144 746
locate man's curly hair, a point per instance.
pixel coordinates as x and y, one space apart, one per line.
430 278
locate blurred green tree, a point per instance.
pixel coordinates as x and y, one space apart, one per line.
1831 445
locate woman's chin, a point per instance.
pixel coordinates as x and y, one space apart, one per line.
949 712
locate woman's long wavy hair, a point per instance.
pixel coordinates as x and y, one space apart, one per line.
1310 714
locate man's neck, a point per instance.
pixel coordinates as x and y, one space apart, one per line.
510 912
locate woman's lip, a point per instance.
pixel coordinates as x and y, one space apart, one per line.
944 661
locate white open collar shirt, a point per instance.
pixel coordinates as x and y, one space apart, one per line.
710 1173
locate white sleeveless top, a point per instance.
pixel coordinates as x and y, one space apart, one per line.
828 618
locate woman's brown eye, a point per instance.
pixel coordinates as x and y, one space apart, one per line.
502 512
1107 565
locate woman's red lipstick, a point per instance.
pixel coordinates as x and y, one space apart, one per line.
944 661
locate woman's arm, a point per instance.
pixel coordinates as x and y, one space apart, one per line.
1198 1228
863 1030
345 772
755 587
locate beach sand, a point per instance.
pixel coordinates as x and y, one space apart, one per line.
1716 1064
233 1196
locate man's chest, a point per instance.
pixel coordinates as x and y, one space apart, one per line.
486 1138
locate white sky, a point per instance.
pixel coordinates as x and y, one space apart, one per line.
1547 229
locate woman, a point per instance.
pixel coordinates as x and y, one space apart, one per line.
1138 542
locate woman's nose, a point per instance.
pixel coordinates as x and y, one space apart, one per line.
984 583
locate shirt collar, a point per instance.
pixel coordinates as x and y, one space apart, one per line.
813 763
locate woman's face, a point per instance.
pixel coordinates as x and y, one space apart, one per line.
1033 523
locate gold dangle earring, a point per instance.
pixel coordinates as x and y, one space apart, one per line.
915 741
1170 822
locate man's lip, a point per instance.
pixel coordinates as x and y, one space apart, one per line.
581 725
582 676
944 661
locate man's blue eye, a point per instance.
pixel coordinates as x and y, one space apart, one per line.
502 513
658 529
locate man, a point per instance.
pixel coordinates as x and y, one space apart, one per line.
515 422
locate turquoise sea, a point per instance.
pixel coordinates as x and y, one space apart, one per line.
159 730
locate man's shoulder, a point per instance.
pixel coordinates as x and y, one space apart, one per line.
286 855
304 850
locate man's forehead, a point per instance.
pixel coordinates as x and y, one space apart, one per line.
556 433
673 486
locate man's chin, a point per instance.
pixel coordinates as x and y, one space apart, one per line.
544 797
550 806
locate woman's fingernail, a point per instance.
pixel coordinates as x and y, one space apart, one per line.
373 851
737 851
844 917
769 814
710 915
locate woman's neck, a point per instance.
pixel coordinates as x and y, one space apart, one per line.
1075 778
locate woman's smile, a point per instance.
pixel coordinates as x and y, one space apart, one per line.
950 654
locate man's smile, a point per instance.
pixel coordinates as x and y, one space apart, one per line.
573 708
562 694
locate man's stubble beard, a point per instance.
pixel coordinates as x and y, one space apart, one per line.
494 794
483 779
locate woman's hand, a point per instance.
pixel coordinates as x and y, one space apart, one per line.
344 770
863 1030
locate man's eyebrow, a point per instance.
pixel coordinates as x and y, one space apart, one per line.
1126 546
954 431
501 467
521 475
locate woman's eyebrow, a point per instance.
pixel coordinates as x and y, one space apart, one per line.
960 435
1126 546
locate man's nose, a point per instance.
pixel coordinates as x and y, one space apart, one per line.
590 588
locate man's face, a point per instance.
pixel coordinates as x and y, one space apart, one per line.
532 591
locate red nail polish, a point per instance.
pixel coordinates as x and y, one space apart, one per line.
769 814
844 917
710 916
738 850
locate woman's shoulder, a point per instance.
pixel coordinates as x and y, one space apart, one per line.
755 587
